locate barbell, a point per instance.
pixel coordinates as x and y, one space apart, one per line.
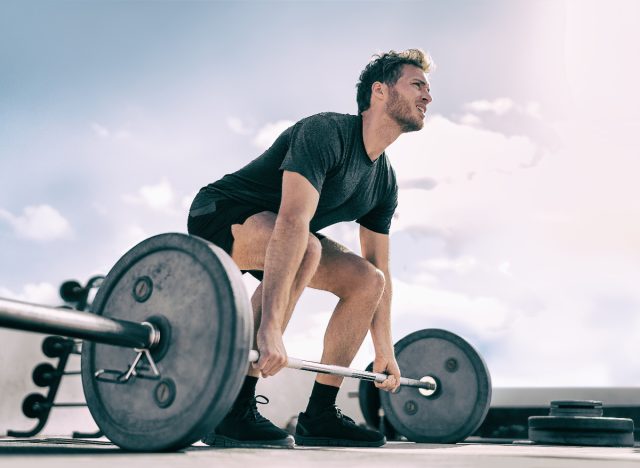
189 323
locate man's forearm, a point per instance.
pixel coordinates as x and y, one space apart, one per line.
381 323
283 258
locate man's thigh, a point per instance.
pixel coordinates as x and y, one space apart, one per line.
250 240
340 269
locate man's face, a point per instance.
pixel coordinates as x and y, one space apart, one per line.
408 99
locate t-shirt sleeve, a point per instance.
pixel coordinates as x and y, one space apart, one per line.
379 218
315 148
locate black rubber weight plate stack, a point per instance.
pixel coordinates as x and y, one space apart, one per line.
581 430
458 407
580 422
194 292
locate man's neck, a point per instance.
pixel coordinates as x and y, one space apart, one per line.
378 132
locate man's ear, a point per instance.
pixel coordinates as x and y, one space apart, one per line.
378 90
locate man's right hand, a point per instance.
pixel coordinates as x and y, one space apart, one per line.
273 355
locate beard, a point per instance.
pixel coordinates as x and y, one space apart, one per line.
403 112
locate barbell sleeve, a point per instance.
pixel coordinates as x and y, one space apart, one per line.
295 363
75 324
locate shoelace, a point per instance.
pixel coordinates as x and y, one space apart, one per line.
343 417
253 406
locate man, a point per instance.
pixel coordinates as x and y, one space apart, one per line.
325 169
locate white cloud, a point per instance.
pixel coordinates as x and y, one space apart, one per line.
505 268
548 244
460 265
572 342
39 223
498 106
546 307
447 152
470 119
37 293
484 315
132 235
532 109
269 132
158 197
237 126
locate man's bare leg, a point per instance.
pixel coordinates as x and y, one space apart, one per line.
359 285
250 244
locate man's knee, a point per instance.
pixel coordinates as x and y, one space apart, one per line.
375 280
363 279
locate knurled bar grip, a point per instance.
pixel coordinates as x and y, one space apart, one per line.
43 319
294 363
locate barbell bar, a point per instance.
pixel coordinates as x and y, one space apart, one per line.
74 324
320 368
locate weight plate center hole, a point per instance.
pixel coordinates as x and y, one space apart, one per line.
163 325
426 392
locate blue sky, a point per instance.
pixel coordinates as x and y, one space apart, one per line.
170 74
517 224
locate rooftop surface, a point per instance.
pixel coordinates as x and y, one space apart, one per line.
66 453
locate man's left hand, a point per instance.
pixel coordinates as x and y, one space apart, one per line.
389 366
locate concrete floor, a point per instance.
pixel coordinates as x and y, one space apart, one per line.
67 453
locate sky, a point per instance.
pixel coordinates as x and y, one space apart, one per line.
518 221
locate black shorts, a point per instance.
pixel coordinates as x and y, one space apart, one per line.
215 224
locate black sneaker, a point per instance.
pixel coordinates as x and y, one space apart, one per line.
332 428
245 427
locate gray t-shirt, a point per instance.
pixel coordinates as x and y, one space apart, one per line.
327 149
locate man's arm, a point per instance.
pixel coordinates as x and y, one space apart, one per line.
375 248
284 255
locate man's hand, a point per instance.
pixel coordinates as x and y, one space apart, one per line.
387 365
273 355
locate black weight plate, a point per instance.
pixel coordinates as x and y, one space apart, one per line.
198 291
458 407
591 408
580 430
